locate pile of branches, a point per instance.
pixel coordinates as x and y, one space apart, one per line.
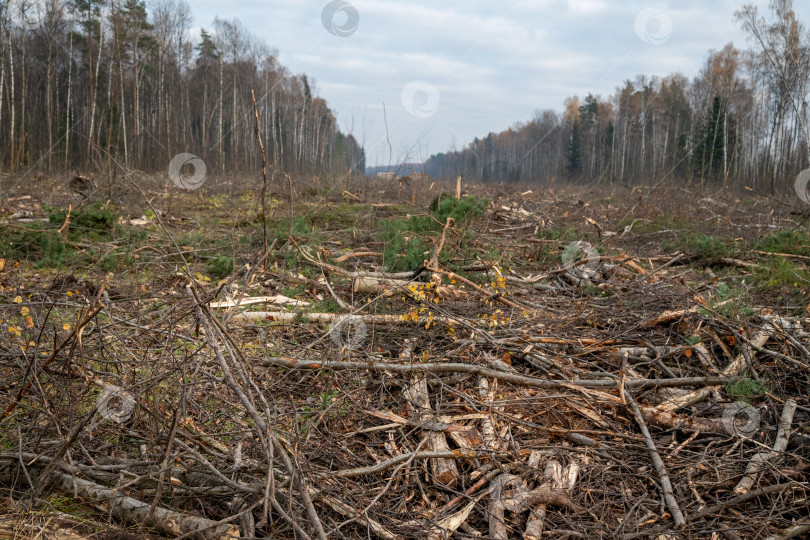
434 405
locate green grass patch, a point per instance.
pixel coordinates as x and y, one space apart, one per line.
84 241
327 305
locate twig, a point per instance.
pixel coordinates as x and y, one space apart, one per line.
759 460
654 271
339 300
427 454
164 463
44 478
68 339
501 299
303 489
384 490
666 485
731 370
67 220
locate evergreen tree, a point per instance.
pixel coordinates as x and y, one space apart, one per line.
708 153
574 152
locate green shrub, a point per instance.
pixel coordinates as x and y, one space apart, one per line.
220 266
792 242
460 210
97 221
408 239
35 243
708 247
782 272
745 390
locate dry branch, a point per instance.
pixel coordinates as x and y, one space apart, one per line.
288 317
759 460
396 460
487 426
525 380
517 499
369 285
133 511
262 429
277 299
731 370
666 484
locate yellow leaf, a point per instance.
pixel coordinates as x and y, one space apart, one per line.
18 299
70 294
66 326
29 322
14 330
25 311
2 264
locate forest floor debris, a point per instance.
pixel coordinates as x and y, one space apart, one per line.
556 363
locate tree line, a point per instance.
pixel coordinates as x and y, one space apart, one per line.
81 76
742 121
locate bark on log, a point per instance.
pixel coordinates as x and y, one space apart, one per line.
134 511
369 285
444 470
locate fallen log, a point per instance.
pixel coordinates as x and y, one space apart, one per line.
286 316
133 511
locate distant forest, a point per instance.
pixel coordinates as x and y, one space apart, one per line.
743 120
132 82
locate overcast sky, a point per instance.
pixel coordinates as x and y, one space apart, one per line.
453 70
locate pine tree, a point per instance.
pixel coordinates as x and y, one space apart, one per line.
574 153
